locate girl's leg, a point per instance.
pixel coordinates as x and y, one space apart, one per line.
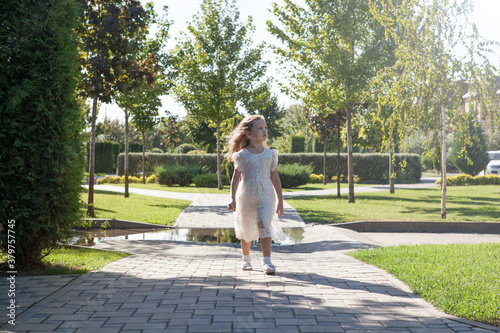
245 247
265 246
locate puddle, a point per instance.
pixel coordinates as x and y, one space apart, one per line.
202 235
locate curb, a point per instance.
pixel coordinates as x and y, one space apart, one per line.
423 227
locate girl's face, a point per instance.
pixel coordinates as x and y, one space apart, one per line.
258 133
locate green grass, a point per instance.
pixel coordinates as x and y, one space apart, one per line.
74 260
462 280
227 188
137 208
464 203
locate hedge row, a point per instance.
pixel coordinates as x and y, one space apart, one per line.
368 167
463 179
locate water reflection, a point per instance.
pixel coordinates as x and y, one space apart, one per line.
202 235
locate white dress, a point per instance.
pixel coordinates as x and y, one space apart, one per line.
256 198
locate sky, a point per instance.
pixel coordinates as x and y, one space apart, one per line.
485 16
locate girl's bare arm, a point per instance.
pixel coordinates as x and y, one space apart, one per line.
275 179
235 181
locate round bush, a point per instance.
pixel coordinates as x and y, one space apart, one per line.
181 175
209 180
184 148
315 179
293 175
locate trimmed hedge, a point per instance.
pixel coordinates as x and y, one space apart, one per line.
298 144
105 156
464 179
368 167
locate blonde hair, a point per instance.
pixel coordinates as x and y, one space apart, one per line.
238 140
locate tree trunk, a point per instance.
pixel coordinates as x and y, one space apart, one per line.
90 207
443 131
307 139
391 167
324 163
443 162
219 175
144 158
350 162
338 160
126 153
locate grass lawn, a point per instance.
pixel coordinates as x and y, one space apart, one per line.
73 260
461 279
137 208
464 203
227 188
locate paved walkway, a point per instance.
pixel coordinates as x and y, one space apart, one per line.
190 287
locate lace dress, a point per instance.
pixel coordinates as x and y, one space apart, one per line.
256 201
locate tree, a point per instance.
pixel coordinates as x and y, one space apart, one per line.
427 82
273 113
140 98
474 157
217 67
170 131
333 44
41 155
326 125
106 29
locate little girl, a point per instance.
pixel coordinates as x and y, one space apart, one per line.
256 204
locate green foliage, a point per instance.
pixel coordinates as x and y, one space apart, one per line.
184 148
41 155
209 180
470 155
181 175
293 175
461 180
298 144
218 67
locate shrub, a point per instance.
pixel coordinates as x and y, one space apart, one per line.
464 179
133 179
151 179
41 155
196 152
209 180
156 151
293 175
316 179
181 175
344 179
184 148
